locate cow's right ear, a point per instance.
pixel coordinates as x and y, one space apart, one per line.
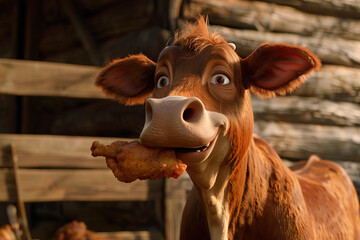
129 80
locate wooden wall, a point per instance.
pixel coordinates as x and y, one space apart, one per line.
82 32
322 117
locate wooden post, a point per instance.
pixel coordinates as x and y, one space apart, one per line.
33 28
175 198
14 221
174 12
20 203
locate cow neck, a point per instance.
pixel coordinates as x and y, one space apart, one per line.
210 178
247 189
233 193
257 174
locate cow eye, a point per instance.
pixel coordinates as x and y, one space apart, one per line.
163 81
220 79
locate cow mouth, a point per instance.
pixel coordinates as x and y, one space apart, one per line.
195 155
190 150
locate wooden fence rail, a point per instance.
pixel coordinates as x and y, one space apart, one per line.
330 50
268 17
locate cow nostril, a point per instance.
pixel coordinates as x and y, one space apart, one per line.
193 111
188 114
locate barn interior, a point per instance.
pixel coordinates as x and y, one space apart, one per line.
50 110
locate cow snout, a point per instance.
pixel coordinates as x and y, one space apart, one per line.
179 122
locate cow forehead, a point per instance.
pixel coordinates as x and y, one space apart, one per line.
185 62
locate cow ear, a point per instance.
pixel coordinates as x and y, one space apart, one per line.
129 80
275 69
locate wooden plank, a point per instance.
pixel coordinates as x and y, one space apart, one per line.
330 50
18 77
42 185
271 18
345 8
133 235
299 141
174 13
48 151
306 110
337 83
176 191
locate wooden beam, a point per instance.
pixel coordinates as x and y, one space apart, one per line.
176 192
174 13
268 17
330 50
335 83
299 141
32 78
46 185
310 110
345 8
50 151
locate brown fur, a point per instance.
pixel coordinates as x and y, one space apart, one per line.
266 199
110 78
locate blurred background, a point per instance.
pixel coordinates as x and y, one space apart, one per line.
51 51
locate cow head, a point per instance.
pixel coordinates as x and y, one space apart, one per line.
197 94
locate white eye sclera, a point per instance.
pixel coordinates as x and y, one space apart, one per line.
220 79
163 81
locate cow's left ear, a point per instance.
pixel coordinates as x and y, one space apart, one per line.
275 69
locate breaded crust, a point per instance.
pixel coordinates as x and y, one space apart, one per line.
131 160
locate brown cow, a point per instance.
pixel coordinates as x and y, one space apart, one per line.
198 102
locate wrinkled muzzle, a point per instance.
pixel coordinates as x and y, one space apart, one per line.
179 122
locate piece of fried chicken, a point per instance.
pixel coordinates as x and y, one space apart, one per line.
6 233
131 161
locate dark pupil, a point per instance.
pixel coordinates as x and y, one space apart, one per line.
219 80
163 82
